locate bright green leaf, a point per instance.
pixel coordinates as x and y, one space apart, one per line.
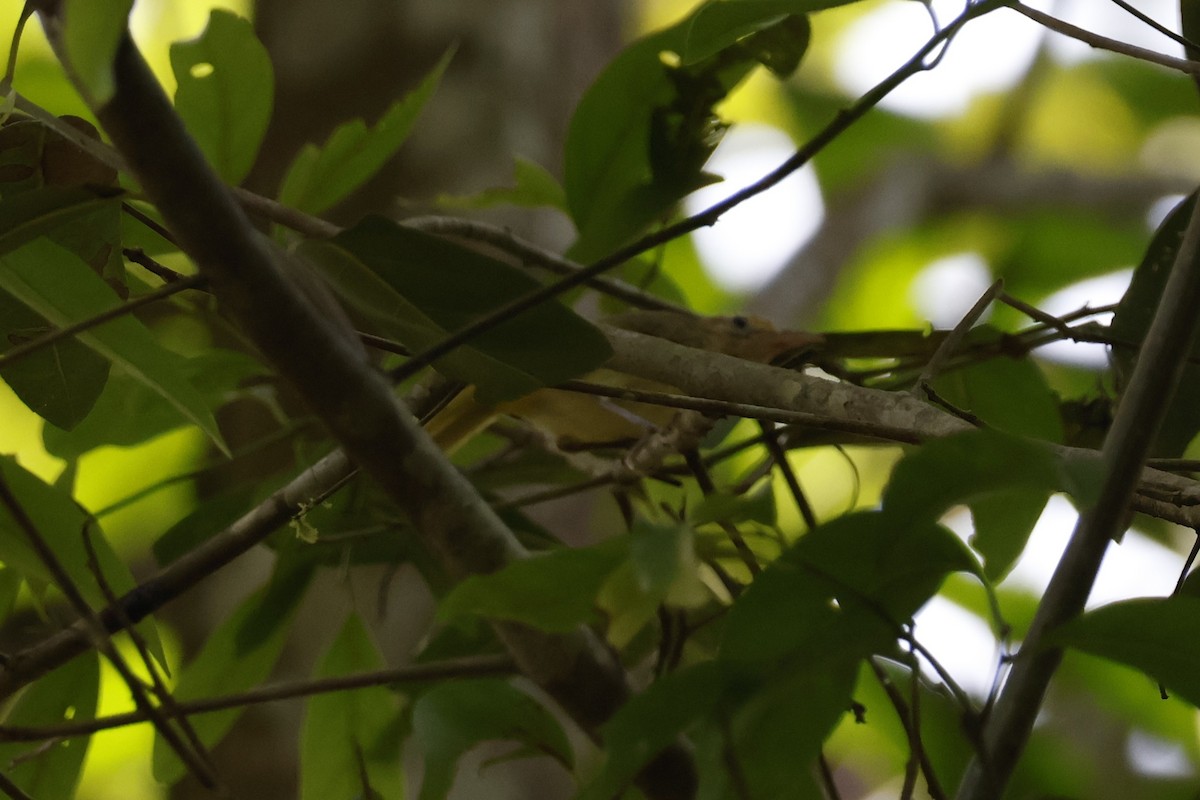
68 694
351 738
1003 522
353 153
451 718
237 656
415 287
1159 636
56 284
92 31
62 524
530 590
226 88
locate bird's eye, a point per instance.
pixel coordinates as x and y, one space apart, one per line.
741 323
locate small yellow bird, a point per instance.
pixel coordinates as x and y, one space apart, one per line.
578 421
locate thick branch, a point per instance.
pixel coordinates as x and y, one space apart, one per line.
1139 415
285 314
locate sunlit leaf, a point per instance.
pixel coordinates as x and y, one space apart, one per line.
92 31
321 176
451 718
63 524
416 288
56 284
68 694
352 738
226 88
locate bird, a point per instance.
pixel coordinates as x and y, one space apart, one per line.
576 421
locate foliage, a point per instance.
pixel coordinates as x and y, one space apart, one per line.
761 587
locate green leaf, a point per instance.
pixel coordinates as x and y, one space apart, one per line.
535 187
1005 480
640 137
757 506
68 694
1132 320
225 92
353 153
92 31
1158 636
56 284
1008 394
351 741
62 524
130 411
415 287
59 383
238 656
841 590
651 721
451 718
1003 522
26 216
530 590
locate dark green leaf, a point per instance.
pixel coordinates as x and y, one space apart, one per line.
28 215
322 176
1159 636
129 412
530 590
651 721
351 738
1003 522
56 284
62 524
239 655
59 383
640 136
451 718
534 187
1006 393
842 590
415 287
1132 320
92 29
68 694
226 88
757 506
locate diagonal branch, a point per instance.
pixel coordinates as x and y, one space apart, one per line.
1139 415
289 316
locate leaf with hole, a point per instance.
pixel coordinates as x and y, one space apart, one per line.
225 92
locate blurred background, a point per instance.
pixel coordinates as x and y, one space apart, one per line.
1022 155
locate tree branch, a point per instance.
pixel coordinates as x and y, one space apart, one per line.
1139 415
289 316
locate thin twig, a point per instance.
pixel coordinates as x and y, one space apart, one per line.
25 349
471 667
1105 43
98 633
838 125
779 457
